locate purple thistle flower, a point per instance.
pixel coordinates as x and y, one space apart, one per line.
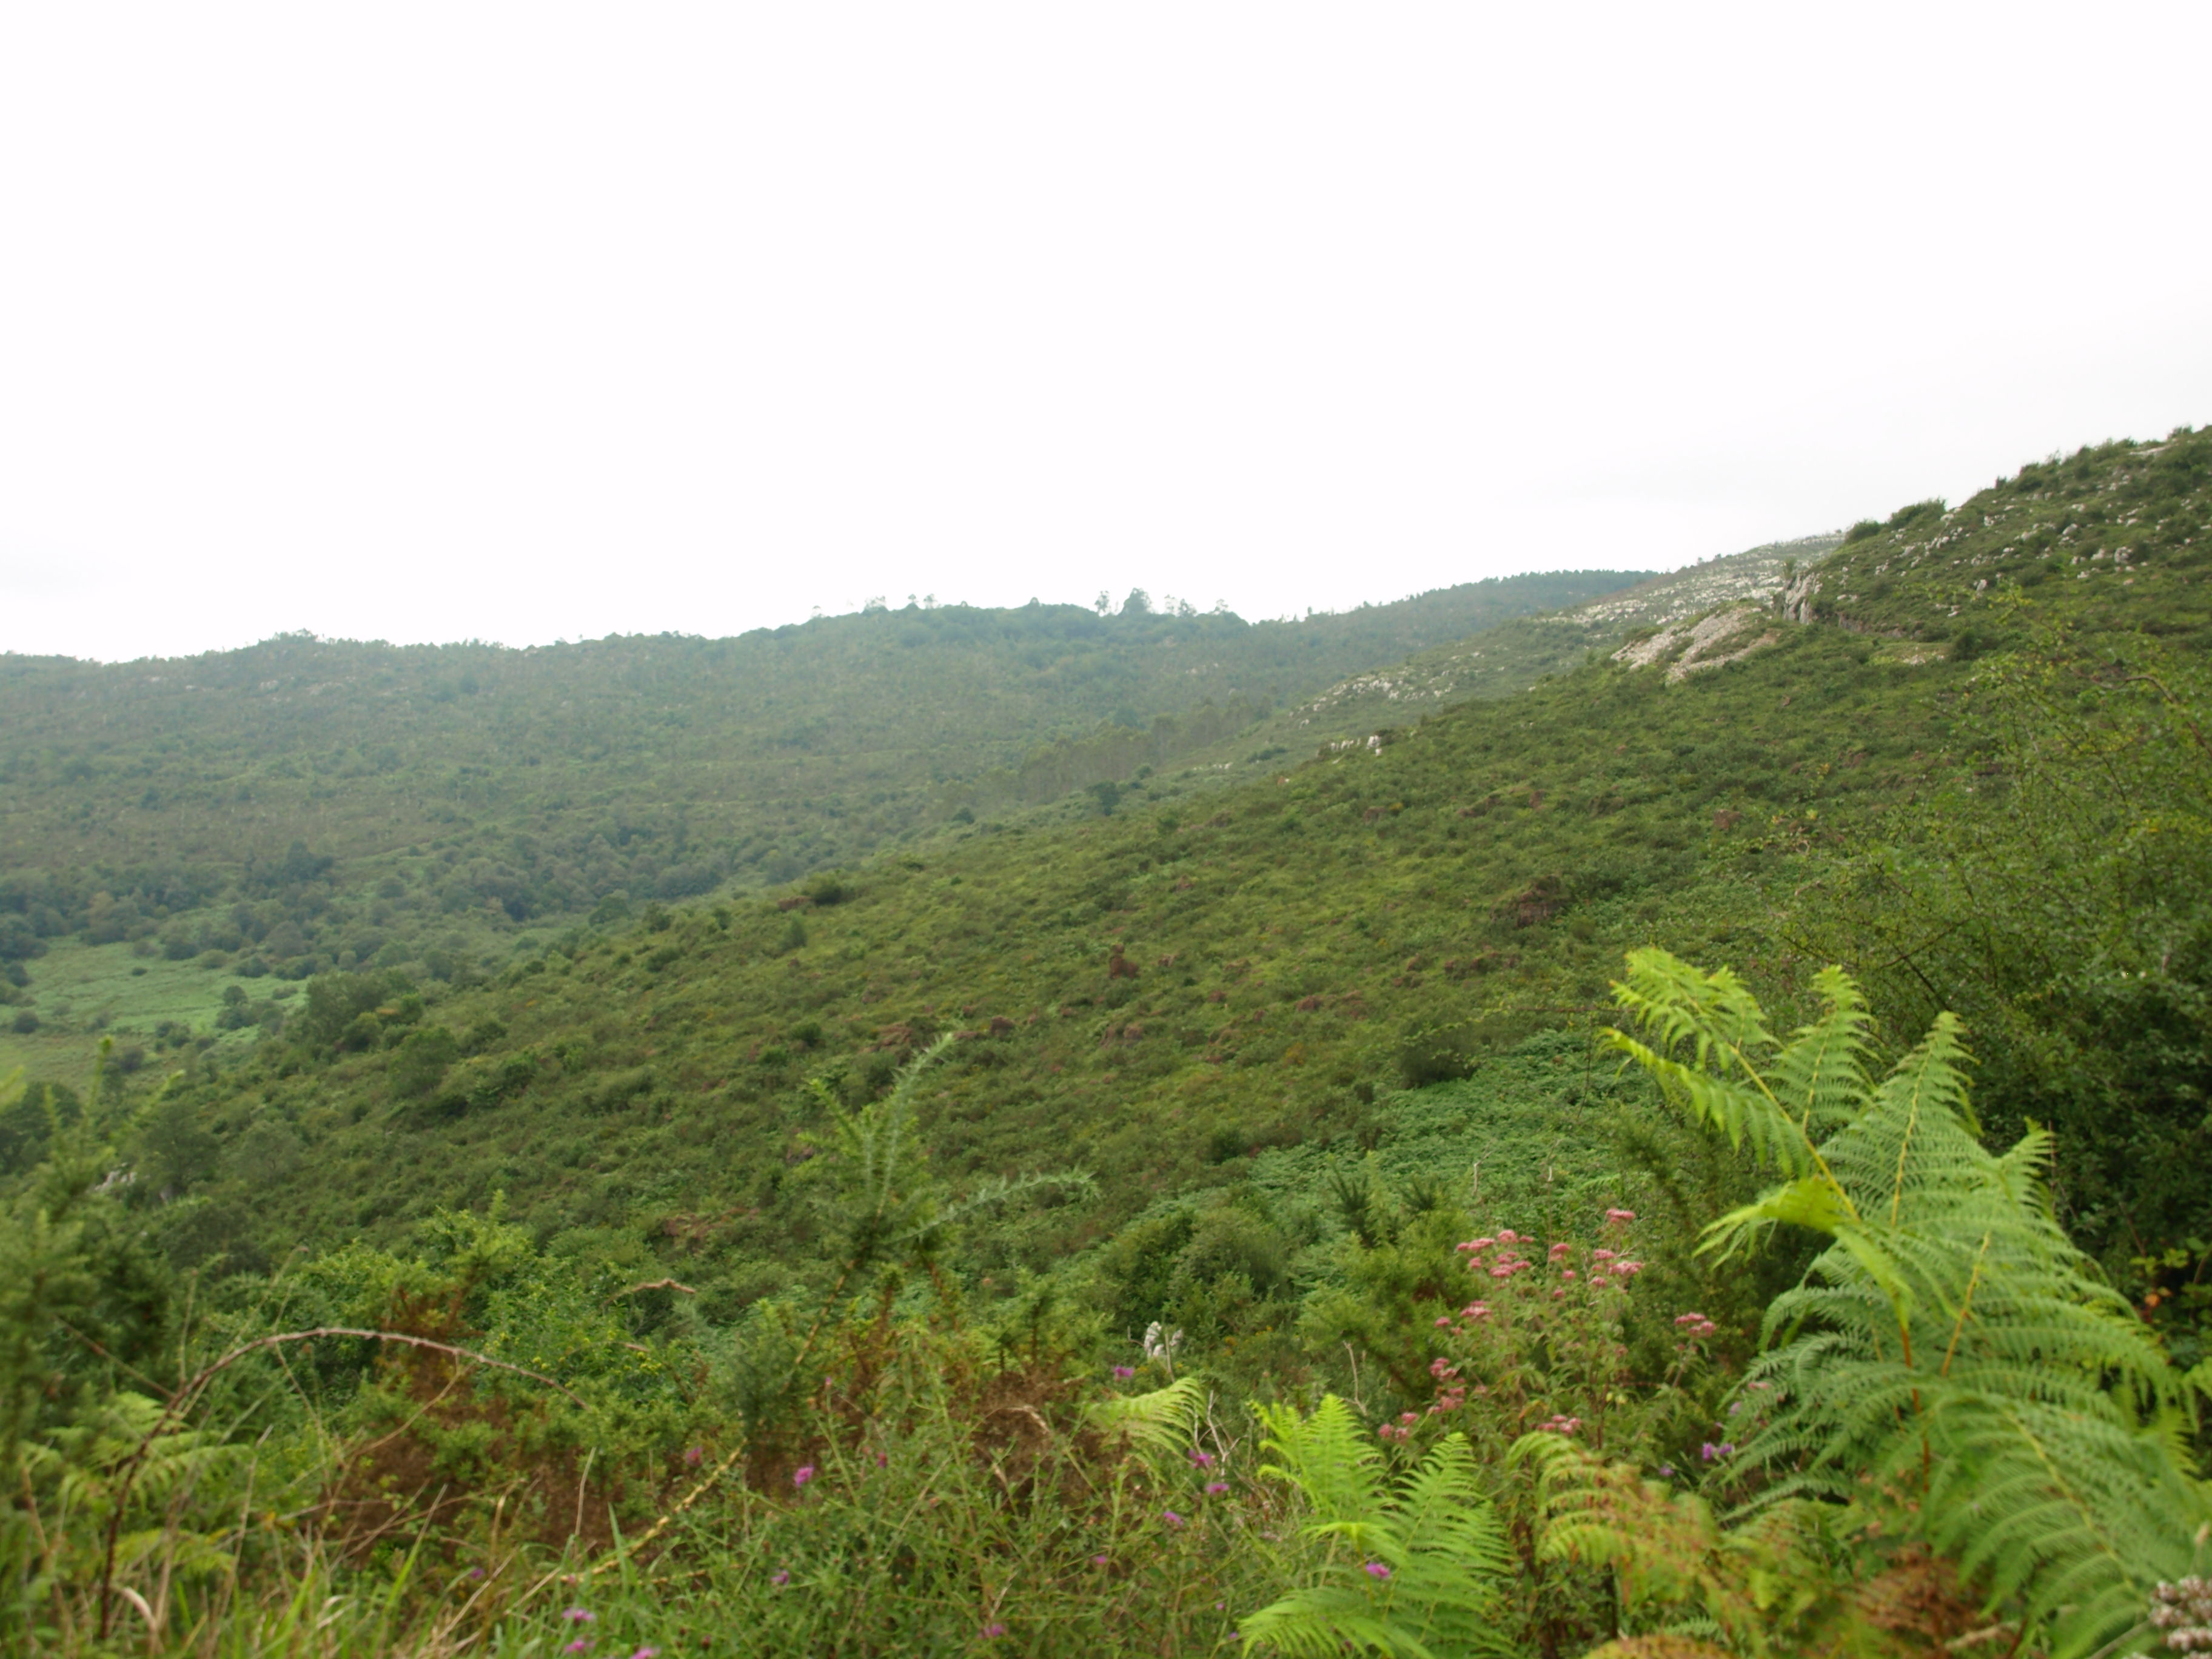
1376 1569
993 1630
580 1616
1214 1488
1727 1449
1172 1517
802 1474
1124 1372
781 1576
581 1644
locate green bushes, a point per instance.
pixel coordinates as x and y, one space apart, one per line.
419 1063
1953 1425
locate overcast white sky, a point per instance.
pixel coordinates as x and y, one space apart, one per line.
523 322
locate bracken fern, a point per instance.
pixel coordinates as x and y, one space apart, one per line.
1951 1344
1410 1571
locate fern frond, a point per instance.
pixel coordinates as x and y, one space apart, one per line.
1411 1572
1951 1343
1327 1456
1815 1202
1723 1084
1818 1077
1754 1584
1160 1421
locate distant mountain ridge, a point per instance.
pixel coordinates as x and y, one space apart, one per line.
389 799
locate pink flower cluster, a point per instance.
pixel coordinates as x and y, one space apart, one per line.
1608 1267
1560 1423
1453 1394
1402 1430
1695 1325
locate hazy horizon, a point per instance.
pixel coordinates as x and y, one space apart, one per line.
1157 604
504 323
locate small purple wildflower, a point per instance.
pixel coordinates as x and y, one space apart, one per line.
1124 1372
1707 1450
1204 1460
993 1630
1666 1470
802 1474
581 1644
693 1454
1727 1449
1172 1517
580 1616
1376 1569
1097 1560
646 1653
781 1576
1215 1487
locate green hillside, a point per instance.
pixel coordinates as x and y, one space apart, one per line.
895 1259
759 756
1285 943
1513 656
309 805
1286 948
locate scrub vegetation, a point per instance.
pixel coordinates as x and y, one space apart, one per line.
1693 1151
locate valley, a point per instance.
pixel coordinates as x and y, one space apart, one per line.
1152 1091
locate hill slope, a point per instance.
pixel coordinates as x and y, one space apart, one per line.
1322 1035
1513 656
307 804
1158 992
